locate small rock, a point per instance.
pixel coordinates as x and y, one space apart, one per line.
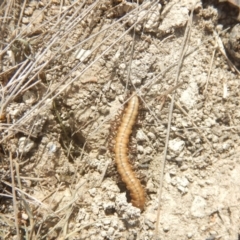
151 135
168 178
189 235
166 228
28 11
24 216
198 207
189 96
82 54
175 17
110 231
140 149
25 145
25 20
52 148
184 167
183 181
182 189
29 97
148 150
92 192
106 221
140 136
176 145
173 172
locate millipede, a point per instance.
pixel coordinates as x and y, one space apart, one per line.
124 168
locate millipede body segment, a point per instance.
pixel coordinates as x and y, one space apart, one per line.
121 154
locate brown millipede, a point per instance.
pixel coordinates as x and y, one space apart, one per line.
121 153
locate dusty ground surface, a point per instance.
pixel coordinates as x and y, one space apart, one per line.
67 68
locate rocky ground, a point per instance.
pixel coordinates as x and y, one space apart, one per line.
67 71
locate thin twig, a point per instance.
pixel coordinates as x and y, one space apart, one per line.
21 14
15 208
210 70
24 200
60 87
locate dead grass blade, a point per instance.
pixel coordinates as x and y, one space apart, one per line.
15 207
